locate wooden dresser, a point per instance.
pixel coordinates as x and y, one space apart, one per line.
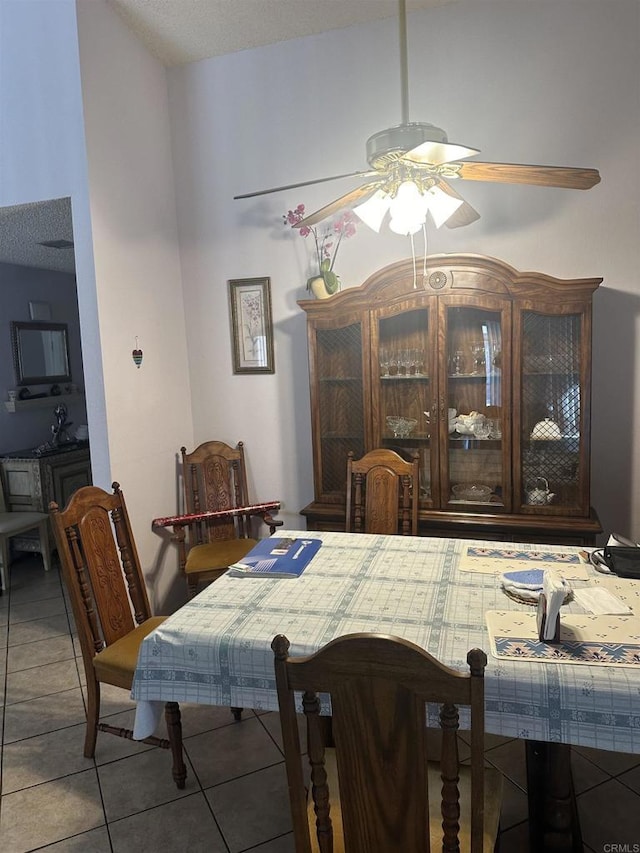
31 482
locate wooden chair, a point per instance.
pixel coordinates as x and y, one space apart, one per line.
215 479
382 493
14 524
112 617
376 791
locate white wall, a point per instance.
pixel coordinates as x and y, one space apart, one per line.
138 277
137 418
544 82
42 156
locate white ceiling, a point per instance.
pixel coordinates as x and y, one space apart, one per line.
180 31
177 32
24 226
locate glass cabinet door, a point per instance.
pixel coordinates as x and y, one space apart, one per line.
473 405
339 408
402 383
553 470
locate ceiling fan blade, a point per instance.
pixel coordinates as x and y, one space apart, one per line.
566 177
346 200
464 215
436 153
363 174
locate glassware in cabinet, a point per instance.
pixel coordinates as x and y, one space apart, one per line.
403 389
474 466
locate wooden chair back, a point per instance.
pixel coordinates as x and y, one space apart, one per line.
382 493
102 573
378 687
215 478
100 566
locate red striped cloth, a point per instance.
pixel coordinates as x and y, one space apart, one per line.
181 520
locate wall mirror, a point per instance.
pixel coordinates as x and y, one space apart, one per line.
40 352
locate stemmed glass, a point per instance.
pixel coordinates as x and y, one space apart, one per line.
384 362
479 360
482 429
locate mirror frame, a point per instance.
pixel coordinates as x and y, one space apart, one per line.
18 359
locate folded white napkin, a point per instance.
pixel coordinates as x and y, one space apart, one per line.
555 590
600 601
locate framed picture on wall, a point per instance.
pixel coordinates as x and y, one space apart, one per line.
251 325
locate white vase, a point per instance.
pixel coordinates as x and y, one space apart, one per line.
319 288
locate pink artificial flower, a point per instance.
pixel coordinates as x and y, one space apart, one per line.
326 248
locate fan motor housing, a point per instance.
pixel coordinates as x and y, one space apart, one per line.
389 145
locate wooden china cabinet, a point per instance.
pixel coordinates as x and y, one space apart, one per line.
484 370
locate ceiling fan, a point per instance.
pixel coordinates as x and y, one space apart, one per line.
411 166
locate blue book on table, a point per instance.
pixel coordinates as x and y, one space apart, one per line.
276 557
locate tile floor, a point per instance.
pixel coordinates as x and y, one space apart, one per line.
235 799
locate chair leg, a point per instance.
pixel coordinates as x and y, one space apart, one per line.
4 563
93 714
43 529
237 714
174 730
192 585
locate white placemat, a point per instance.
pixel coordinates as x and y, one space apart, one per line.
584 639
500 560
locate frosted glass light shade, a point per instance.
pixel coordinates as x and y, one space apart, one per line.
408 208
373 210
441 205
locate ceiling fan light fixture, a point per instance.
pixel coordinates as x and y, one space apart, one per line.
408 209
405 227
374 209
441 205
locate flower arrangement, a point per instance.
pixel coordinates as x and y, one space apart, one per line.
327 242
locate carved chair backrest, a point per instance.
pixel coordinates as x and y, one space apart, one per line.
382 493
100 566
379 686
215 478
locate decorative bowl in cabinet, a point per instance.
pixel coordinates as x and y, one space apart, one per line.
471 492
401 426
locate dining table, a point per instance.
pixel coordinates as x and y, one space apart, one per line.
446 596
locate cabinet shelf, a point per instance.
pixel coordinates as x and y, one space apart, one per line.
400 377
474 375
488 443
40 402
415 436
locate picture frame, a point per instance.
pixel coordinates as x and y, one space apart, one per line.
251 325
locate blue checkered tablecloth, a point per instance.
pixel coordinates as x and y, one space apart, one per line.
216 649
